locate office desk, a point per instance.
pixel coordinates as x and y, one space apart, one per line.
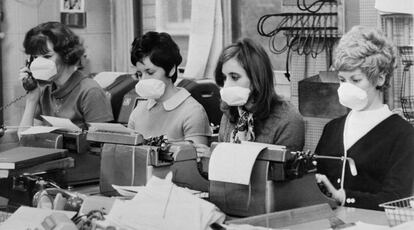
313 217
306 218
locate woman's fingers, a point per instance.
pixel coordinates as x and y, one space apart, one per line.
338 195
23 73
322 178
202 150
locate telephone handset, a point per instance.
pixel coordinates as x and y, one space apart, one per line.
29 83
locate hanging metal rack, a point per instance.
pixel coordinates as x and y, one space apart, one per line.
309 32
406 93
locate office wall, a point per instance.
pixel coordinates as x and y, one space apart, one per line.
21 15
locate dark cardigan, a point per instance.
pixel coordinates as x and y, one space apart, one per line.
384 158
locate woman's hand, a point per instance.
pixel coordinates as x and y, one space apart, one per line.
202 150
34 95
32 99
337 194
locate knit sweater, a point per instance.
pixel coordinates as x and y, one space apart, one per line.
384 159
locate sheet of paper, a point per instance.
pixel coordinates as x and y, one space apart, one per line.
269 146
39 129
109 127
233 162
128 191
29 218
62 123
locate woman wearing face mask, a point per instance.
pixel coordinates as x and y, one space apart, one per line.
168 110
55 52
252 109
380 143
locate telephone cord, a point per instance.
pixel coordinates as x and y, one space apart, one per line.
13 101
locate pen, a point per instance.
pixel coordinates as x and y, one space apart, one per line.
168 200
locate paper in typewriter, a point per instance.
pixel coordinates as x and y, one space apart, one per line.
233 162
268 146
109 127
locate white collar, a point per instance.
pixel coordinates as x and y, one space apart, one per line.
359 123
376 114
173 102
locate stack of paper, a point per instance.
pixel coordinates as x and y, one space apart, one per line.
163 205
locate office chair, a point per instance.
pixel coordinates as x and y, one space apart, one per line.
116 85
207 93
130 101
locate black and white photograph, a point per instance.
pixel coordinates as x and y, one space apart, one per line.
206 114
72 6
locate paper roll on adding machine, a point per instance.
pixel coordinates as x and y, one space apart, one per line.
244 179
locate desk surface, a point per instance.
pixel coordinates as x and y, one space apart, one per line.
348 215
314 217
355 214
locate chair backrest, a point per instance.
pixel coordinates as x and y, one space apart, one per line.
207 93
116 85
130 101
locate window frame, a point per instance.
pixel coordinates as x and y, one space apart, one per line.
173 28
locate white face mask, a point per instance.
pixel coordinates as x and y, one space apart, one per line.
150 88
43 68
352 96
235 95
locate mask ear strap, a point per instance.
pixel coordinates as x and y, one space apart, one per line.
171 74
29 61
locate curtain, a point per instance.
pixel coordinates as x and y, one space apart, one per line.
206 39
122 34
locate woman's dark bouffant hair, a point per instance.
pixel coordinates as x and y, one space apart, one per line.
65 42
255 61
161 50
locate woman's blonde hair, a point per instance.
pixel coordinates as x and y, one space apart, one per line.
369 50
